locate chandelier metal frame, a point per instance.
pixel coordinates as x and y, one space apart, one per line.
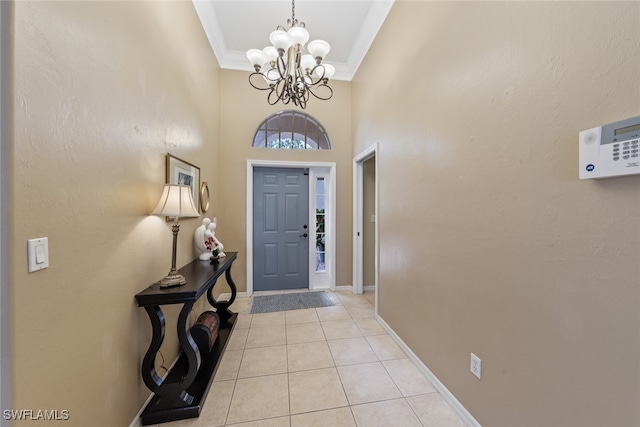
287 73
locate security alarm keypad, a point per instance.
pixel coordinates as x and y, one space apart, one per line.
629 150
610 150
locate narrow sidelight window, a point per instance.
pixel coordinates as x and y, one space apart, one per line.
321 193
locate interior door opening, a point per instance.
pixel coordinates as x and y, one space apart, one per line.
366 221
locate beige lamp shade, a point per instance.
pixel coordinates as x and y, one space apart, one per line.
176 201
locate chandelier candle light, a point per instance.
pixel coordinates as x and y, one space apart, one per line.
287 73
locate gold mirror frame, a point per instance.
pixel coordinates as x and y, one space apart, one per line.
204 197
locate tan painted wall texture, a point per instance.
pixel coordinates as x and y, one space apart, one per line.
103 90
244 110
492 244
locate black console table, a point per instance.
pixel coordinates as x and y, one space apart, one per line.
182 393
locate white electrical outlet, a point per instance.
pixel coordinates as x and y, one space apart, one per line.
476 366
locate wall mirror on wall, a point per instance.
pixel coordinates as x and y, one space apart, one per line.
185 173
204 197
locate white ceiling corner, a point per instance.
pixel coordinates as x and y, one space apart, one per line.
235 26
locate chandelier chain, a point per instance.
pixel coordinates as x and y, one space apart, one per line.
293 10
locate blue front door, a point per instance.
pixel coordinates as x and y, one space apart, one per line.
280 229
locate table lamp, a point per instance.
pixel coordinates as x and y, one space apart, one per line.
176 202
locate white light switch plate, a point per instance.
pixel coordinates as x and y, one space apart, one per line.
38 253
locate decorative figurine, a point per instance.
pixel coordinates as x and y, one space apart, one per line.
199 238
206 242
212 242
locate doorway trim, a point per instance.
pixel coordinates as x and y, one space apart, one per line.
358 201
313 167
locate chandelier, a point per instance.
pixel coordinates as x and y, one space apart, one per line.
287 73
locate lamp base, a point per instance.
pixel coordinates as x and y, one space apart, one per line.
172 280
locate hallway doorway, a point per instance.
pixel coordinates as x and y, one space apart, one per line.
365 221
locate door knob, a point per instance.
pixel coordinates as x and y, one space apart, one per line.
303 235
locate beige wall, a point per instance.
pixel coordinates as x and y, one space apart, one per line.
6 142
103 91
244 109
494 245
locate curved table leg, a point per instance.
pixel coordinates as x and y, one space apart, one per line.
189 348
222 307
232 285
149 375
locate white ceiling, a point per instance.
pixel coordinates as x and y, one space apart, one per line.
235 26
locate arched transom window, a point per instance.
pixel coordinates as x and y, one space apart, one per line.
292 129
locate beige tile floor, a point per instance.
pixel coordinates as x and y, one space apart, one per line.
323 367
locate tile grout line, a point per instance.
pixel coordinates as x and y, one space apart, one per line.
286 349
401 392
340 377
235 381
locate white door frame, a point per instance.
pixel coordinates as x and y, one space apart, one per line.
358 196
6 102
330 226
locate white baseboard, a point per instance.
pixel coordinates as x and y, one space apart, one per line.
455 404
227 296
137 421
368 288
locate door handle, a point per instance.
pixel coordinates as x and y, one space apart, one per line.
303 235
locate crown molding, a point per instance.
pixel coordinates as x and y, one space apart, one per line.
236 60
